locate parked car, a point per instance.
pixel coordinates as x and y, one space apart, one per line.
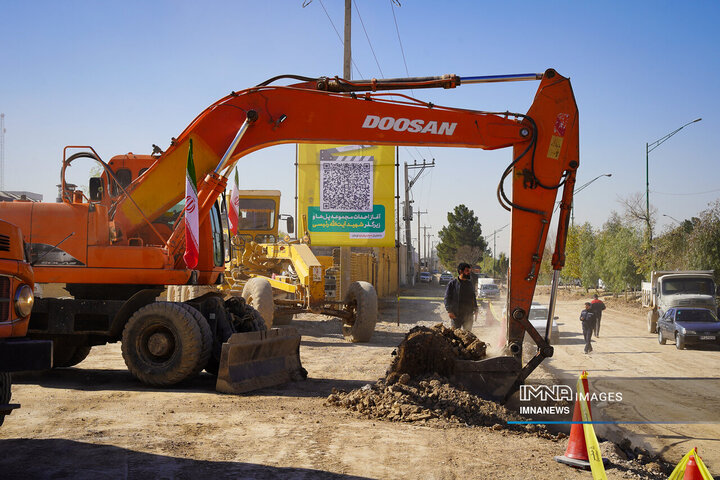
445 277
488 291
425 277
538 319
689 326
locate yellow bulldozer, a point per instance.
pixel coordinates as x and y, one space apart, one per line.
282 277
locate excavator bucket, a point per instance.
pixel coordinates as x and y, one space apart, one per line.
490 378
255 360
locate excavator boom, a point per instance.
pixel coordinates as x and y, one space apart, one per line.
545 144
115 249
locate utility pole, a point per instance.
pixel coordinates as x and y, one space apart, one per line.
425 241
408 214
346 252
347 58
419 237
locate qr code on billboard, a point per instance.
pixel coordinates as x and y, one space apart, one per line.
346 183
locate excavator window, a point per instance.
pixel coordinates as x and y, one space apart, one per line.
217 236
124 177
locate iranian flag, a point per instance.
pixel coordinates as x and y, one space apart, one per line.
192 223
234 210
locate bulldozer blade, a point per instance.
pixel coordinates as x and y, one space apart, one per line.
255 360
490 378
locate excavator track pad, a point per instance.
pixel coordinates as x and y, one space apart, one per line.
255 360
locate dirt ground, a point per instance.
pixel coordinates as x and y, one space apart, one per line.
96 421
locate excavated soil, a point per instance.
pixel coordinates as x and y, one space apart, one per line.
418 385
418 388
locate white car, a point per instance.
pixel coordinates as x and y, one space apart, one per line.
538 319
445 278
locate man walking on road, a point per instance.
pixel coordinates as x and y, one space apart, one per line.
587 318
460 299
597 307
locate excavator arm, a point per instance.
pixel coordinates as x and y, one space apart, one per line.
545 159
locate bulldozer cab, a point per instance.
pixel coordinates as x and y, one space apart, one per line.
258 215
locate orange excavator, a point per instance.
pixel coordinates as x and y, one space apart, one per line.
115 250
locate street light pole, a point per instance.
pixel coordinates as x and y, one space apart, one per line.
580 189
493 234
649 147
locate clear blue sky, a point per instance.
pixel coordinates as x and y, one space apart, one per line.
121 76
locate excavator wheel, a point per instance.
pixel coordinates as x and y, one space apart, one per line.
162 344
5 382
67 355
258 294
80 354
207 338
361 299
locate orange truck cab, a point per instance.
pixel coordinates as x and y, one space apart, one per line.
17 353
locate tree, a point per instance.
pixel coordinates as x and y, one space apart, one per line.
463 230
704 241
618 249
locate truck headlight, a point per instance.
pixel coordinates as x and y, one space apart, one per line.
24 300
690 332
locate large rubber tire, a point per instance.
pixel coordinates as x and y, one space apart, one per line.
652 318
80 354
162 344
554 337
63 352
361 299
207 338
258 294
661 339
5 382
283 319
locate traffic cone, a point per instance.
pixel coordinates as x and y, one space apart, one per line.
692 471
576 453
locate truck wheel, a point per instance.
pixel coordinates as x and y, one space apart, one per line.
555 337
679 342
80 354
361 299
282 318
661 339
162 344
5 382
258 294
207 338
652 318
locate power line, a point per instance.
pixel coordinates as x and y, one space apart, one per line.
336 33
368 38
402 50
685 194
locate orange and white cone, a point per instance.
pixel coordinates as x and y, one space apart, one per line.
691 467
576 453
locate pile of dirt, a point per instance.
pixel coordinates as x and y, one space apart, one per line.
417 386
428 351
424 399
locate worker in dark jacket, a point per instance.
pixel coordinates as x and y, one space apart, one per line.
597 306
587 318
460 300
